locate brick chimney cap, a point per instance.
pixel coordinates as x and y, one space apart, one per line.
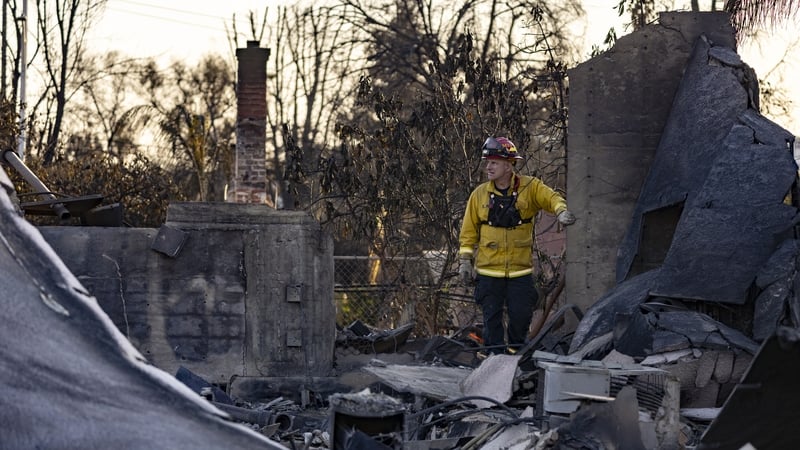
251 44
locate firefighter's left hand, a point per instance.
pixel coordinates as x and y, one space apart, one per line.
566 218
465 271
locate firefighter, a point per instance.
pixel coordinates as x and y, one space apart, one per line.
496 242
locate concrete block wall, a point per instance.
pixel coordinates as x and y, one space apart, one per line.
249 293
619 103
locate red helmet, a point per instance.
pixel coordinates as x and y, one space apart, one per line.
499 148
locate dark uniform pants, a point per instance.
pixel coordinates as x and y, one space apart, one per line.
518 296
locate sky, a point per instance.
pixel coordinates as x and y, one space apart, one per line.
188 29
184 28
176 29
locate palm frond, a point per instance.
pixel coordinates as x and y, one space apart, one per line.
750 14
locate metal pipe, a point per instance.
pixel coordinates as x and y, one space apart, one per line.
23 69
39 188
4 51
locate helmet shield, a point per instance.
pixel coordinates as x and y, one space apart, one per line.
499 148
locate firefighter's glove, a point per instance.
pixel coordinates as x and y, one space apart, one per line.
465 270
566 218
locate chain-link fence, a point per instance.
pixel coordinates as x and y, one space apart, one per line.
386 293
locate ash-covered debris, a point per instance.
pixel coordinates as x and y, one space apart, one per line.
661 357
533 399
359 337
760 412
366 420
536 399
275 417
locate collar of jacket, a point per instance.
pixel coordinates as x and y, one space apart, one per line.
514 182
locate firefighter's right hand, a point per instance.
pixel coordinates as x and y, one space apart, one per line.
465 270
566 218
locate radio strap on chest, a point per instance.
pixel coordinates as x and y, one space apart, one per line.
503 212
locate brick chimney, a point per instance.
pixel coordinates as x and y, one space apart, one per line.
249 184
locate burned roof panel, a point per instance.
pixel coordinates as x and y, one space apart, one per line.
732 226
731 168
706 105
782 264
64 366
623 299
704 332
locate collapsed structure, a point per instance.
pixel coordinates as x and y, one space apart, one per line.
667 345
706 257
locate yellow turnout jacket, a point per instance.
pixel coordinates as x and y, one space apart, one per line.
505 252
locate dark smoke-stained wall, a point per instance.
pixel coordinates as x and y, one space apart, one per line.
249 291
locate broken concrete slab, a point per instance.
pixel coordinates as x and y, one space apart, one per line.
705 369
615 358
723 370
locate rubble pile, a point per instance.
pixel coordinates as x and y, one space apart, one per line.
691 397
683 347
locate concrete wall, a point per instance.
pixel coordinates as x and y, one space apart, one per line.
248 293
619 102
